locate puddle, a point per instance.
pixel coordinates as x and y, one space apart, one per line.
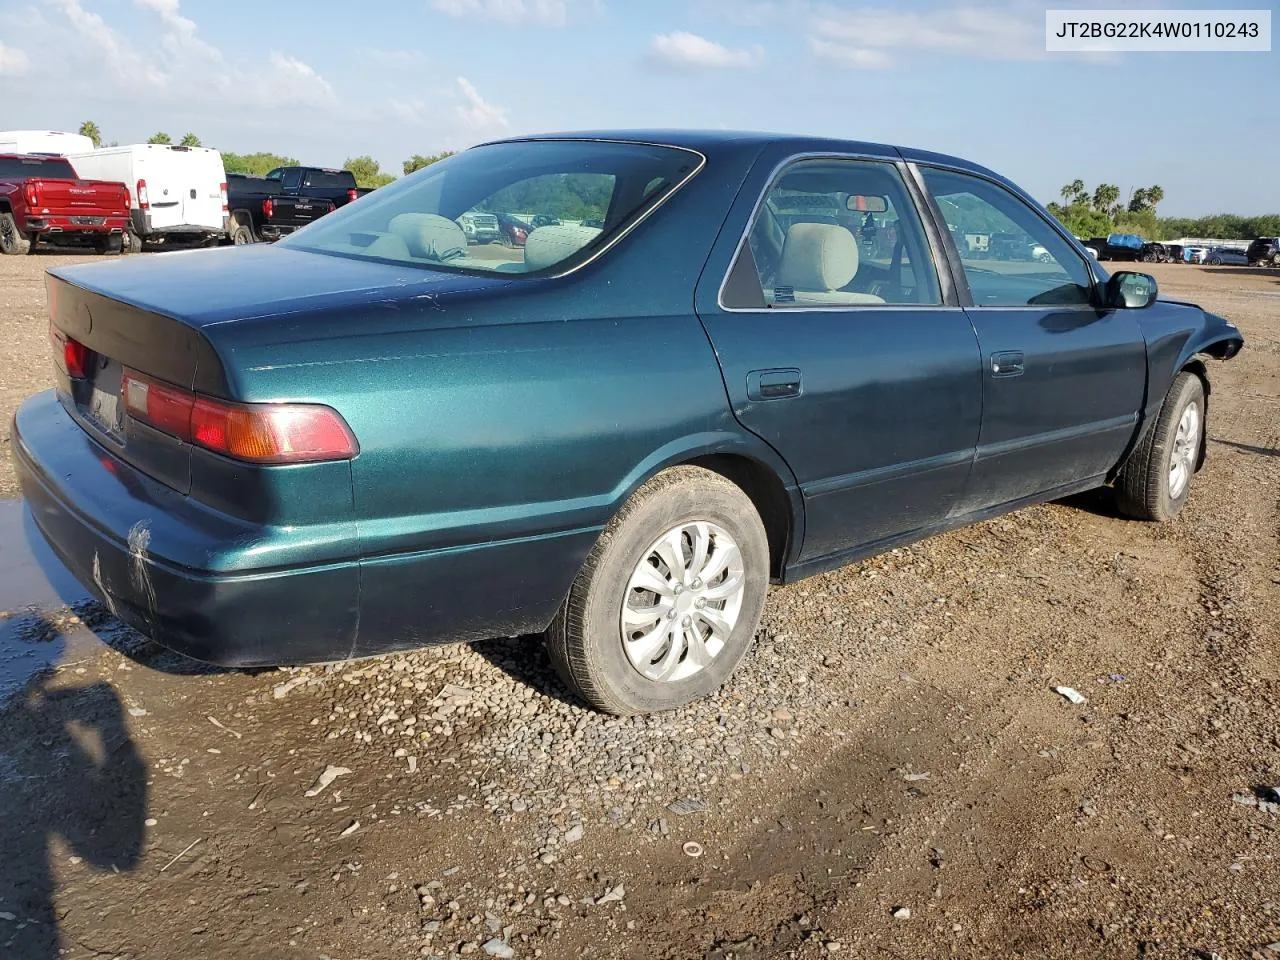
35 594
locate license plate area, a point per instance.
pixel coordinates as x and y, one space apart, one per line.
103 405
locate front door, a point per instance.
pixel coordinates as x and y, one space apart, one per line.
1063 377
839 349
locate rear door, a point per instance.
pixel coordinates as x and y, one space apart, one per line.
203 177
843 347
1063 378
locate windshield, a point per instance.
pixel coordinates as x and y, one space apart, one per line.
19 168
519 208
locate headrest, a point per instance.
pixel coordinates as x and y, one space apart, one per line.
428 235
817 256
389 247
549 245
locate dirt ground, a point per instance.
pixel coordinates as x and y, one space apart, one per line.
890 775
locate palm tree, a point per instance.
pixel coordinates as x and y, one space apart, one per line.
1155 195
1105 197
1074 191
90 129
190 140
160 137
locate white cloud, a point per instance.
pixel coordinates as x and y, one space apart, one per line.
845 55
390 58
869 36
552 13
476 113
683 49
13 62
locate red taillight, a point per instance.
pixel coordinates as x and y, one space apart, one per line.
268 208
267 433
351 195
72 354
223 188
126 200
144 201
32 192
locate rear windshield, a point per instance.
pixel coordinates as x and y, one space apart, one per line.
556 202
335 179
19 168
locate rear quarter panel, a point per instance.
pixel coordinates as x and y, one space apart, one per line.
507 424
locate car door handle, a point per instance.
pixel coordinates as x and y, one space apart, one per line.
1010 363
773 384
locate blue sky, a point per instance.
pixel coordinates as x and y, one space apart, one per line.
326 80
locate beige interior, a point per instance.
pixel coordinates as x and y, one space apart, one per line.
428 235
818 259
549 245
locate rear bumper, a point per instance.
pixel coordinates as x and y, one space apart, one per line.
140 221
274 231
135 543
178 571
51 225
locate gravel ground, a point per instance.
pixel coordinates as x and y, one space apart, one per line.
890 774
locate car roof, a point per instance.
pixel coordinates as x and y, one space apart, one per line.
719 141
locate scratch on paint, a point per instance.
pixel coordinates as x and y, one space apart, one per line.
102 586
139 540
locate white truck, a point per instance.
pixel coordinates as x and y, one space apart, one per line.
178 195
53 142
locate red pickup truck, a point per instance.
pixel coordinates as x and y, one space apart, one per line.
42 199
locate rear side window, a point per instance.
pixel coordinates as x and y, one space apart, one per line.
571 197
834 233
330 179
19 168
1011 256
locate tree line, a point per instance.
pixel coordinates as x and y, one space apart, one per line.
368 171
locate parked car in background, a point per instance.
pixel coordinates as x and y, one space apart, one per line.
1265 251
514 230
1194 254
363 437
178 194
326 182
42 200
259 211
1176 253
480 227
1227 255
55 143
1153 252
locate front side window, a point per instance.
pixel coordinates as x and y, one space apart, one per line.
1011 256
834 233
568 197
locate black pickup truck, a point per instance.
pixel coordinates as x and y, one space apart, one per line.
259 210
336 185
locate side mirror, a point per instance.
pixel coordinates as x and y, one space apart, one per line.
1129 290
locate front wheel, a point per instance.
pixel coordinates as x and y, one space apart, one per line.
1156 481
668 600
12 241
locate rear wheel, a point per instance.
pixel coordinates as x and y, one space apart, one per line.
109 244
12 240
1154 484
668 601
242 234
1275 260
133 243
1215 261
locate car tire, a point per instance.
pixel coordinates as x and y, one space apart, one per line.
134 243
242 235
12 241
109 245
662 666
1156 480
1275 260
1215 261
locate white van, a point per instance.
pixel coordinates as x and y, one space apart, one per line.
176 193
43 141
